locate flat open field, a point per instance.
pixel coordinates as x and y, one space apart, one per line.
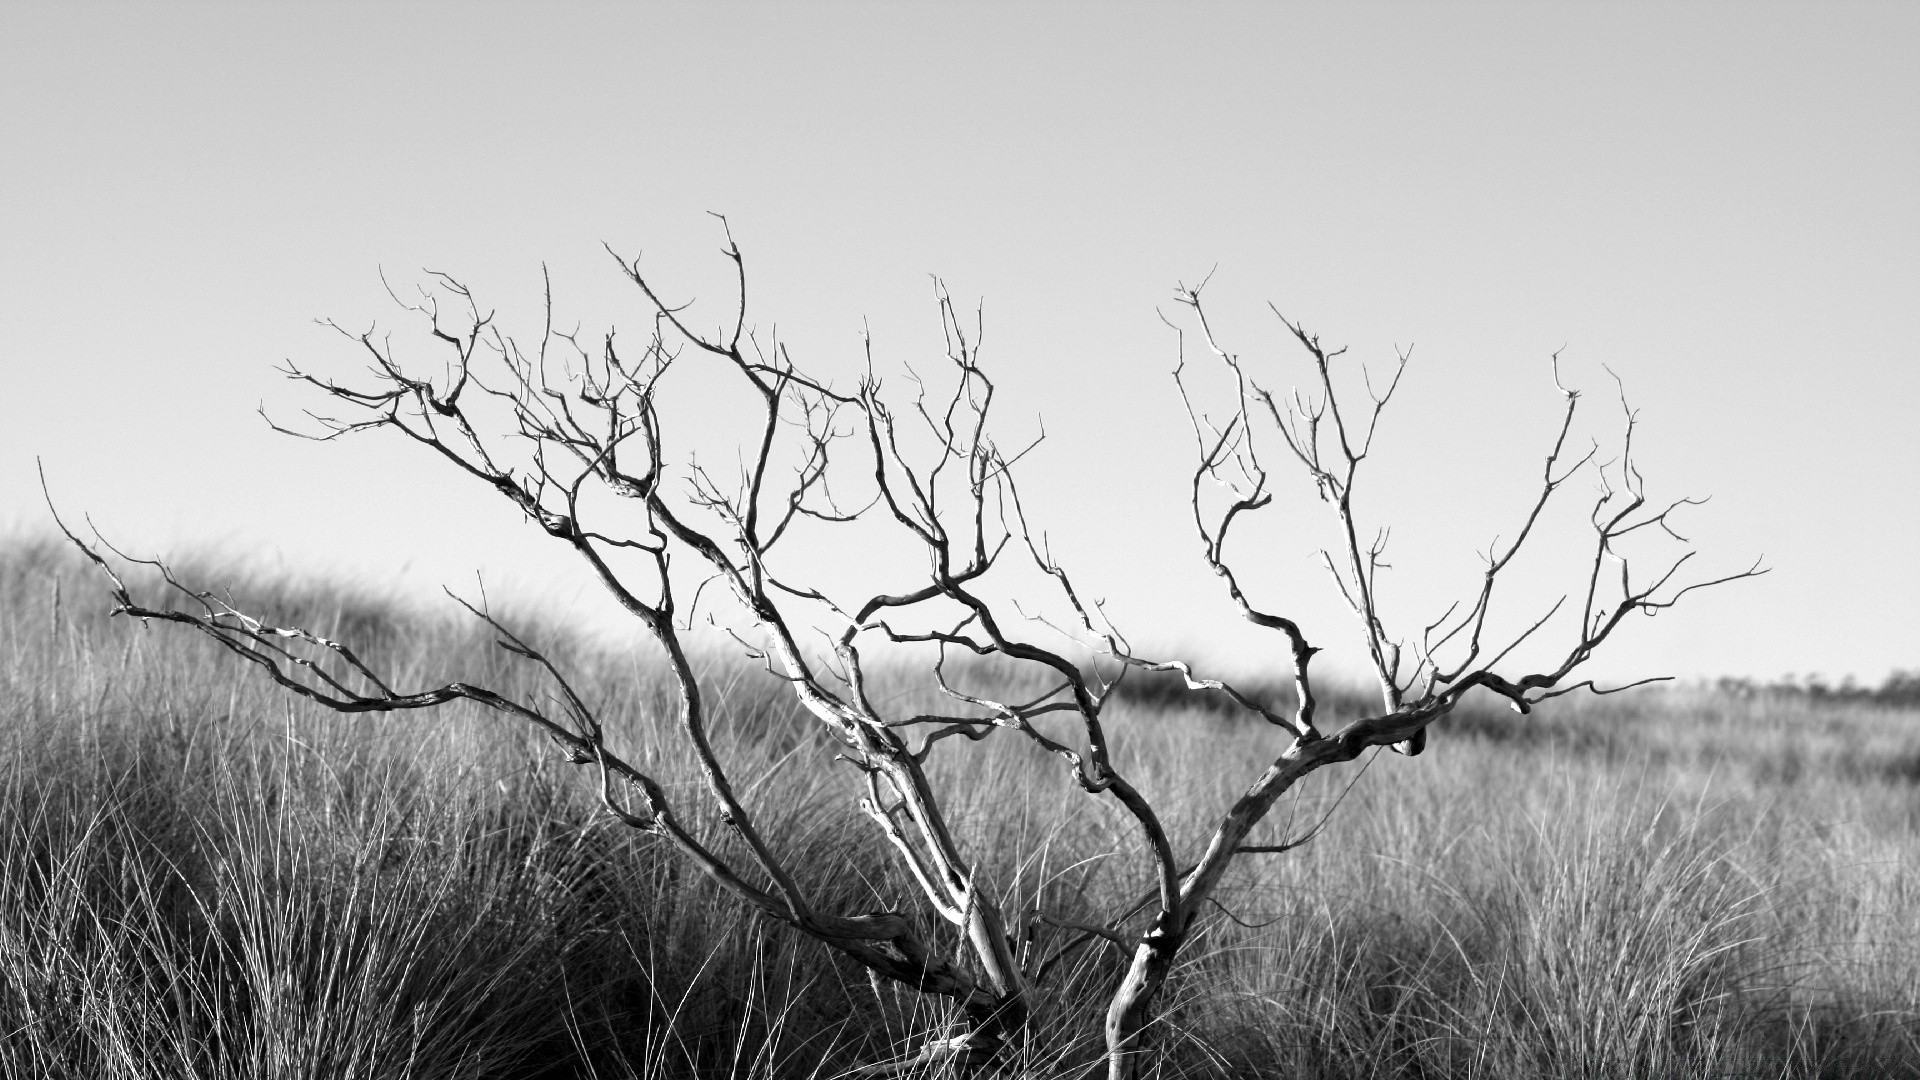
202 877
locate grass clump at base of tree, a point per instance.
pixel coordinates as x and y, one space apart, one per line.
202 877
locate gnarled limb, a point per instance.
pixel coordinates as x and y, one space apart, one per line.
566 428
1322 441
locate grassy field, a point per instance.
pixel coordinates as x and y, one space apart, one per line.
200 877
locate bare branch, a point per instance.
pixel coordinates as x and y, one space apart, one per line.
556 427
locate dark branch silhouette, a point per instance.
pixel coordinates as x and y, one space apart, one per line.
570 430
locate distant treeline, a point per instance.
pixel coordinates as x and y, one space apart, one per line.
1165 690
1901 689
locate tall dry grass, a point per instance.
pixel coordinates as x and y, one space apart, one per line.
201 877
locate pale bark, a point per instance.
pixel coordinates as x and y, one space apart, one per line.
584 416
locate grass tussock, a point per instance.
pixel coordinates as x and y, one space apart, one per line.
200 877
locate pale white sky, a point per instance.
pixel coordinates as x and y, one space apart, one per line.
1718 202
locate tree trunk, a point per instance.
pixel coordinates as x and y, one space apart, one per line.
1132 1007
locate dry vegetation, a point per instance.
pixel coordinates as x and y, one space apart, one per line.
200 877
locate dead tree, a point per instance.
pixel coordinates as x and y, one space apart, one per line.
574 433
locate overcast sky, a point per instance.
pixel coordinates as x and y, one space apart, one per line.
1718 203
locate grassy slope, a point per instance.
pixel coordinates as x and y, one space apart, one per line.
199 877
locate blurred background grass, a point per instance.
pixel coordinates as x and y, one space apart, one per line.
201 876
